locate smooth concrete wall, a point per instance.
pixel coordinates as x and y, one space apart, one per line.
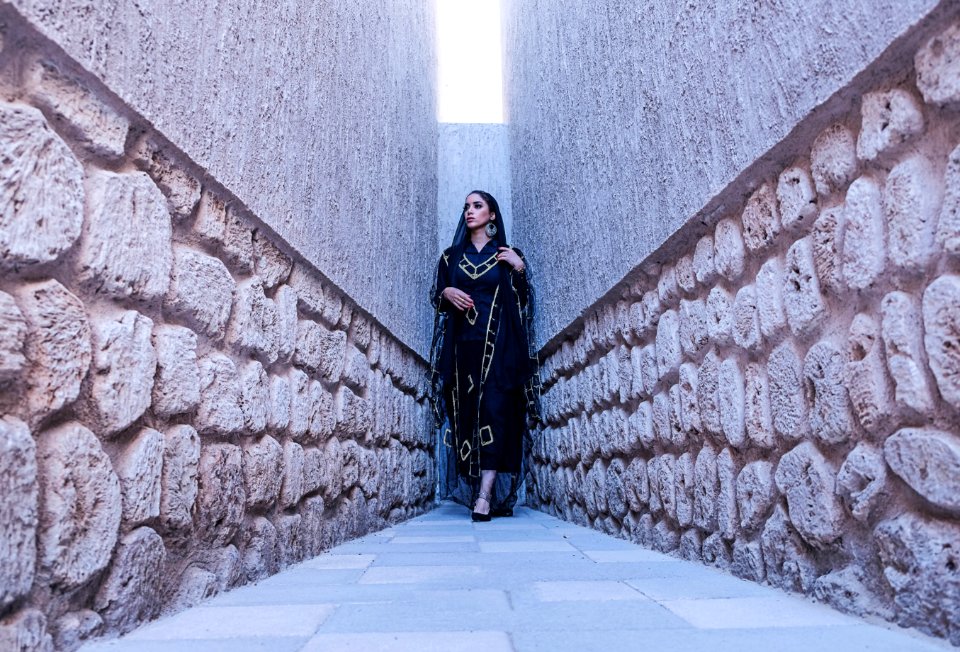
471 157
319 116
627 118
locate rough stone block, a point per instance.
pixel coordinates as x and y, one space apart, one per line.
300 403
864 252
653 476
689 403
938 67
130 594
270 264
649 371
919 558
746 319
703 265
668 344
730 396
666 287
716 552
686 276
219 411
254 397
261 554
787 561
758 420
262 472
18 510
719 308
278 416
25 631
948 225
642 422
138 468
902 330
179 478
319 350
748 560
769 296
797 198
285 300
862 481
941 321
13 333
57 347
636 485
652 309
828 249
823 370
80 505
95 125
756 494
728 468
694 327
176 388
761 221
708 387
74 628
869 387
221 496
833 159
664 538
195 585
310 293
890 118
661 417
353 413
729 254
684 488
807 480
313 470
181 189
200 293
221 226
615 495
126 247
691 546
788 404
119 388
928 461
706 488
911 202
804 305
41 201
254 327
291 487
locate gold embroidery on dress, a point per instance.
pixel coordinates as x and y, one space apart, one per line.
472 315
470 379
446 438
476 271
486 440
465 450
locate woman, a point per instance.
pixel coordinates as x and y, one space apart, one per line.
483 379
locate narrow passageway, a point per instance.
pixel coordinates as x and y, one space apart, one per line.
531 582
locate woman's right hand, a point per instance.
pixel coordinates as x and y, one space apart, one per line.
460 299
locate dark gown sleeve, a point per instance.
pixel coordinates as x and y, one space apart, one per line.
519 282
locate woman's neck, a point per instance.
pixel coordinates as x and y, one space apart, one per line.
479 238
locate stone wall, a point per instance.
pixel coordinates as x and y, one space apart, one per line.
187 404
782 398
319 116
629 118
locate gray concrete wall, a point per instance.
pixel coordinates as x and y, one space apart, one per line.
628 118
319 116
471 157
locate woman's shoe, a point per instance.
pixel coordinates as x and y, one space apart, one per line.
476 516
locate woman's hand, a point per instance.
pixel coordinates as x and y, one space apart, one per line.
512 258
460 299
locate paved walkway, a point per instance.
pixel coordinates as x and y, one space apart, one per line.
531 582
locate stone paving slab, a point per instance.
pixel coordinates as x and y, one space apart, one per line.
528 583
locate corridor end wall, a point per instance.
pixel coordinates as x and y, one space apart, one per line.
776 392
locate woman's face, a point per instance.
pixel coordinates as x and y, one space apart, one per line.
476 212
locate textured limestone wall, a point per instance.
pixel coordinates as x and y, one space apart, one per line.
471 157
628 118
783 400
187 405
320 116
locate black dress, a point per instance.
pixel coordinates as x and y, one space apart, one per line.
484 379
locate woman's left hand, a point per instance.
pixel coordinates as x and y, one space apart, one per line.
512 258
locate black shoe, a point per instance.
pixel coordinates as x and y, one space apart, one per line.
477 517
501 512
